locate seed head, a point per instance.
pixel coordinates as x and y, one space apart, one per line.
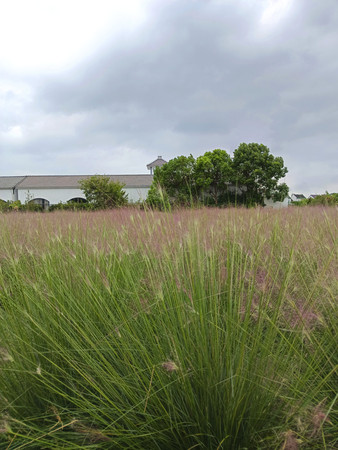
117 331
169 366
318 418
290 442
4 355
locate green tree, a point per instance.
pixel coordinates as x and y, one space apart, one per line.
176 180
213 174
102 193
259 171
158 197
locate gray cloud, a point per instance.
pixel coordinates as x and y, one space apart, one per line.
198 75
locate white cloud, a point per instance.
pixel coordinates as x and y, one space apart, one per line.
274 12
13 133
51 35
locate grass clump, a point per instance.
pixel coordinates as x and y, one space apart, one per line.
194 329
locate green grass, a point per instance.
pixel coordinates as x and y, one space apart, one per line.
205 329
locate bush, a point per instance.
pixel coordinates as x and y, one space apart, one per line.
3 206
158 198
69 206
102 193
323 199
18 206
31 206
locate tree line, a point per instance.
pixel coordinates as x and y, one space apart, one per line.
249 177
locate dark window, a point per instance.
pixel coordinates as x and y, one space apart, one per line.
77 200
41 202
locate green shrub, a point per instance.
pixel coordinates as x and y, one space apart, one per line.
324 200
18 206
3 206
158 198
102 193
69 206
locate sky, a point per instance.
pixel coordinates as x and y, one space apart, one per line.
105 86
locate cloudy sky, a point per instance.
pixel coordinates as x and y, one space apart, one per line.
105 86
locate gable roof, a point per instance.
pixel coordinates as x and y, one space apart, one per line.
10 182
300 196
72 181
158 162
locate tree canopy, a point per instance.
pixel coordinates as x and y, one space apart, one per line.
259 171
177 179
102 193
216 178
213 174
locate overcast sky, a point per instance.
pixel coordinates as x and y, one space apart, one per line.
104 86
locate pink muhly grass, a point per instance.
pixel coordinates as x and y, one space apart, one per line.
4 425
302 316
290 442
263 281
319 417
169 366
145 306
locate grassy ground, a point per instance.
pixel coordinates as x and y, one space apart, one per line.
205 329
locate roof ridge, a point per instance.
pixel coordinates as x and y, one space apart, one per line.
12 176
81 175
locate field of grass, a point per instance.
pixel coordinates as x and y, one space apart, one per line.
200 329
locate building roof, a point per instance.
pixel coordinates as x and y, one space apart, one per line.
158 162
72 181
299 196
69 181
9 182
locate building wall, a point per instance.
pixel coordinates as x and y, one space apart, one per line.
136 194
276 205
6 194
64 195
52 195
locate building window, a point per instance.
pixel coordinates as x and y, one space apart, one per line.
41 202
77 200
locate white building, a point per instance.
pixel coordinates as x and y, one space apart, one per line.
51 189
297 197
7 188
276 205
